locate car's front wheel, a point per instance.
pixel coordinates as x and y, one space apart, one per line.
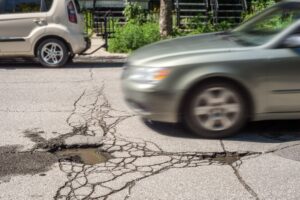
52 53
215 110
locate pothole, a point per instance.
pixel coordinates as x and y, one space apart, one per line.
229 157
88 156
226 159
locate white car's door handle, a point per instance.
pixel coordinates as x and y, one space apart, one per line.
40 21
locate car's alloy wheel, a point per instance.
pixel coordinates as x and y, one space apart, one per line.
53 53
215 110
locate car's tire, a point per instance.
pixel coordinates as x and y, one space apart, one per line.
215 110
52 53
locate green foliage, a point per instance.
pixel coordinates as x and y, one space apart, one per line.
275 23
210 27
151 32
142 27
89 22
134 13
258 6
224 25
199 21
152 16
27 8
203 24
133 36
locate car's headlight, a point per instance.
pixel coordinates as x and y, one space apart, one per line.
149 75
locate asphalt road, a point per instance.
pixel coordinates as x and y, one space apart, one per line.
81 106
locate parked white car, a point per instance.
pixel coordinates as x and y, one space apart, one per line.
51 30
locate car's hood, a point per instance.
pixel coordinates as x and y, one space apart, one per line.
183 46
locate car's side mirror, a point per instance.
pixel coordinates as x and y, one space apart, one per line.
292 41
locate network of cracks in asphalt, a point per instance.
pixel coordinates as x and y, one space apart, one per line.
129 160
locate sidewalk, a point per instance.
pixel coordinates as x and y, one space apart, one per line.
101 55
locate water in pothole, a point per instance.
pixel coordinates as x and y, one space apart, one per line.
88 156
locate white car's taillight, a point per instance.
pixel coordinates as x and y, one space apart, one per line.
72 12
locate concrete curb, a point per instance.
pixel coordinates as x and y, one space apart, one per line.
105 59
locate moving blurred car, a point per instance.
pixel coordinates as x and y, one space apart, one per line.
51 30
216 82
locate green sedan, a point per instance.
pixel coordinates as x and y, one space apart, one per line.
217 82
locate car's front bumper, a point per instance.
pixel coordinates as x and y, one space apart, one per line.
153 105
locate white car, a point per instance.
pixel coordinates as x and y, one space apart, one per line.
51 30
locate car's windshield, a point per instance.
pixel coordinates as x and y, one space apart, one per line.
262 29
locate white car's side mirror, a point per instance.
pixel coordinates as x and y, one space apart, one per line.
292 41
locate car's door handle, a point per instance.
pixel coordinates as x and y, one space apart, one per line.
40 21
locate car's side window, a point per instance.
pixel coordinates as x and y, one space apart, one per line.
1 6
19 6
5 6
48 4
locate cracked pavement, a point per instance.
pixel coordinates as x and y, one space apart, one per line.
45 110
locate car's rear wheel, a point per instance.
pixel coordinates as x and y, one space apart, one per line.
215 110
52 53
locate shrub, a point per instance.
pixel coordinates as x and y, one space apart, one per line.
89 22
141 29
133 36
134 13
151 32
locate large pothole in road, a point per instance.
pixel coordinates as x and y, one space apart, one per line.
78 148
226 159
230 157
88 156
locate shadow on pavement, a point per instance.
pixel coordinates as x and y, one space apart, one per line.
263 131
30 63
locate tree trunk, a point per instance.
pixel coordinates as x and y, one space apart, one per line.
165 21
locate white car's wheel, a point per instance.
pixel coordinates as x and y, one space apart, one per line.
53 53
